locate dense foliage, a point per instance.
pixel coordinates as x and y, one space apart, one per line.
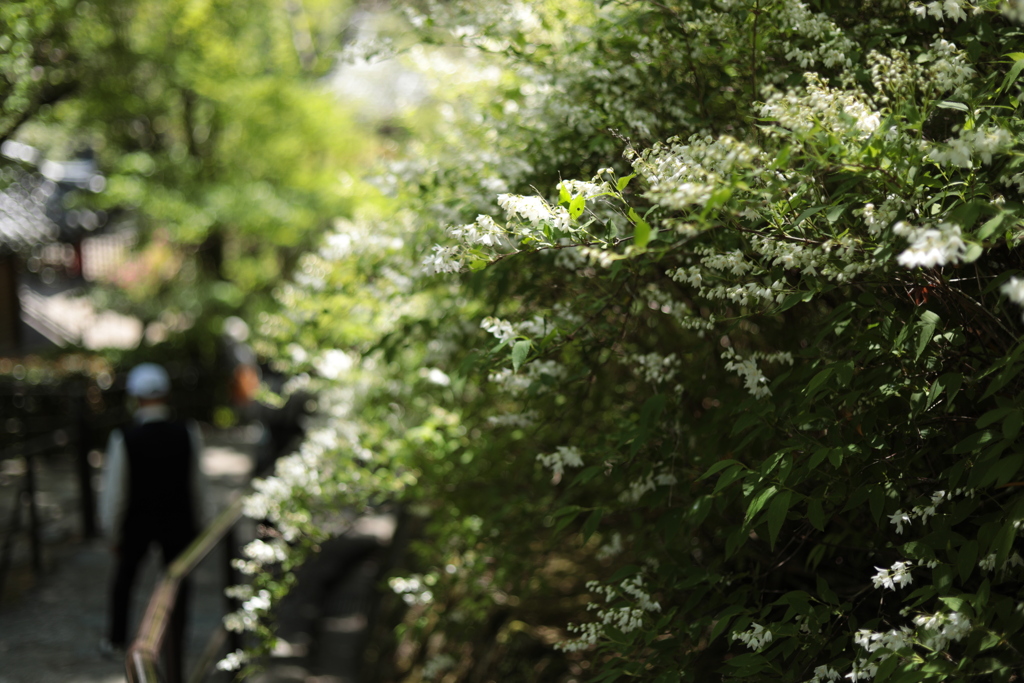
742 401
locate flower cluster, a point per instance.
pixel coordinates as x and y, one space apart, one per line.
754 380
248 616
876 219
893 640
636 489
756 637
824 673
1014 290
976 143
233 661
266 553
942 629
535 211
988 563
846 112
626 619
680 175
923 512
930 245
482 232
950 9
897 575
503 330
821 41
564 456
950 71
517 383
413 589
656 368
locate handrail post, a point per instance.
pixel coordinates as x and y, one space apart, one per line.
35 537
159 629
87 497
231 603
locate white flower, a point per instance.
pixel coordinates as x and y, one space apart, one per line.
930 247
954 9
233 661
897 575
755 638
564 456
502 329
265 553
443 260
824 673
532 209
1014 290
899 518
333 364
942 629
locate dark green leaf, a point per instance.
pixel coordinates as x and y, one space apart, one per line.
776 515
757 503
590 526
927 323
520 351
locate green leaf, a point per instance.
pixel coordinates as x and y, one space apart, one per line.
949 104
835 213
927 323
968 559
825 593
563 194
876 500
723 620
1011 77
991 226
974 441
729 477
973 253
886 668
1004 470
1003 543
816 513
818 380
520 351
642 231
758 502
777 515
622 182
1012 424
590 526
566 515
719 466
576 206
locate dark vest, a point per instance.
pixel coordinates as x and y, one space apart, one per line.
159 476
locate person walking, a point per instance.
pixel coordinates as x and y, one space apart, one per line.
153 492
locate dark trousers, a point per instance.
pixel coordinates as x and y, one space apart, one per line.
135 543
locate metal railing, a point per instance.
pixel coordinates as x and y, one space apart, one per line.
156 654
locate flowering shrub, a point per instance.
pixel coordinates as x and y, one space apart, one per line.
743 404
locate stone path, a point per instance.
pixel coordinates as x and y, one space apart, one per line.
50 627
50 631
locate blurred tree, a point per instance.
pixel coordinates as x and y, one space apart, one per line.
212 123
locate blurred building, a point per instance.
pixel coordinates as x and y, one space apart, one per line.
49 253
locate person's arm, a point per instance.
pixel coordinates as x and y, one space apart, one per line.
113 496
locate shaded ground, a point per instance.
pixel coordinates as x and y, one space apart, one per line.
50 626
